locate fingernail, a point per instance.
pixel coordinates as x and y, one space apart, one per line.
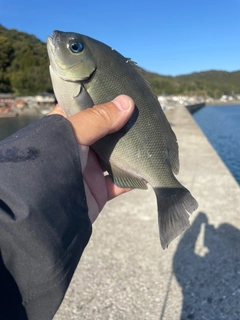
123 102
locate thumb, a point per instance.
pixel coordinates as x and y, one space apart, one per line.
58 110
94 123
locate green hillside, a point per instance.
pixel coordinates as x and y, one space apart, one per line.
208 83
24 71
23 63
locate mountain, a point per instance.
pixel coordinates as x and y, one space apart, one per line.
23 63
211 83
24 71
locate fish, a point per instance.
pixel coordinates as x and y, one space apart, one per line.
86 72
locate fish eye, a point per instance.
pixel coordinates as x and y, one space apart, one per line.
76 46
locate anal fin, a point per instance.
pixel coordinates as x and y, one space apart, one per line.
125 179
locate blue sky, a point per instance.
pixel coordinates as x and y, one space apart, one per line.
170 37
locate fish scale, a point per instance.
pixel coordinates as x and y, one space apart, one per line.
86 72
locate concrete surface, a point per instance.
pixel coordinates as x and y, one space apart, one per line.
124 273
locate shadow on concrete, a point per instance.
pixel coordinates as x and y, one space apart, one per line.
207 267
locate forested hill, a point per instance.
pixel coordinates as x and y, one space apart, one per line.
24 71
23 63
211 83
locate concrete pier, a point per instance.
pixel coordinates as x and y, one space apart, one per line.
124 273
192 108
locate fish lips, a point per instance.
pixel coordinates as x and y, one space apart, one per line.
62 70
55 37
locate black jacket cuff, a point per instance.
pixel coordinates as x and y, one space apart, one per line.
44 223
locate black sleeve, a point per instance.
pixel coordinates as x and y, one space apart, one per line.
44 223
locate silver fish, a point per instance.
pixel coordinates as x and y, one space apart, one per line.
86 72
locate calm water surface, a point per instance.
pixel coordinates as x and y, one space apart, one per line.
9 126
221 125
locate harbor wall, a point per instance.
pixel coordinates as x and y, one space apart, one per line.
195 107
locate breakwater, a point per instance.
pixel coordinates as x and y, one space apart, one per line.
195 107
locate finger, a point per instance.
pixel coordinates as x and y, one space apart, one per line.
91 203
83 151
58 110
95 180
94 123
113 190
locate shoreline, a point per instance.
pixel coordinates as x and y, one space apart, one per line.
27 112
195 107
8 115
222 103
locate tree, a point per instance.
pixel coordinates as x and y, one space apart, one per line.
6 53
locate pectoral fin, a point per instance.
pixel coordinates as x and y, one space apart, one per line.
83 99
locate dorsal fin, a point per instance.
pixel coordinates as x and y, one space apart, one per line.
142 74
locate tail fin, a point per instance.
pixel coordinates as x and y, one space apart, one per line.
174 207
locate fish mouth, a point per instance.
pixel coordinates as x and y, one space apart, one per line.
53 43
53 46
55 37
50 47
49 38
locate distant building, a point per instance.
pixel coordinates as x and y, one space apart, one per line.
6 96
19 104
6 99
225 98
45 98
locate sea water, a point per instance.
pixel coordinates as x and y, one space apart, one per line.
10 125
221 125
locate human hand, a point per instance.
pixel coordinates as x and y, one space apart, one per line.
102 120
